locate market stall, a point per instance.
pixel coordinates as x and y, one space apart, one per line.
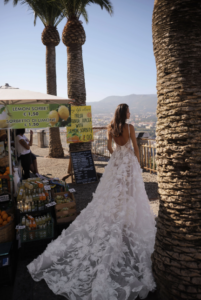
33 215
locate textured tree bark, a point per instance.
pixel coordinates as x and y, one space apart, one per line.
51 70
75 71
55 146
177 49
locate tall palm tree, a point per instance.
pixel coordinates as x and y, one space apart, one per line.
73 38
177 254
50 16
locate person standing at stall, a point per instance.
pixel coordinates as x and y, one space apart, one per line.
28 159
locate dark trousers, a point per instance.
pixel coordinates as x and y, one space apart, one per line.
25 162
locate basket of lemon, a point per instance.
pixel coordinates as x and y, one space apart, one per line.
7 230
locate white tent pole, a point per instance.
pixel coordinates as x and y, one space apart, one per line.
10 162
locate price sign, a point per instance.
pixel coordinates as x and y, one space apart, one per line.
51 204
45 181
20 227
47 187
4 198
72 190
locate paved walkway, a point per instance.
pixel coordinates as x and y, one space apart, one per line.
58 168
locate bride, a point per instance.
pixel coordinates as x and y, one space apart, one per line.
105 254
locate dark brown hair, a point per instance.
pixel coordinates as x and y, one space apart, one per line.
115 128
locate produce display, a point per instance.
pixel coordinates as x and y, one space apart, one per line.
39 227
65 208
4 218
32 195
62 199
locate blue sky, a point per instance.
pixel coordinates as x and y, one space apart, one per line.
118 53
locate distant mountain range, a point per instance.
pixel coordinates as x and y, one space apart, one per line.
138 104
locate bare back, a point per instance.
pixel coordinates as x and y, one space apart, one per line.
123 139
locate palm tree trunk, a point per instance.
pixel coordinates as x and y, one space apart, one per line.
76 84
177 48
76 80
55 146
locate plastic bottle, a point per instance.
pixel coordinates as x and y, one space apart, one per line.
16 182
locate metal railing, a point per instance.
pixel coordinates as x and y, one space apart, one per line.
147 150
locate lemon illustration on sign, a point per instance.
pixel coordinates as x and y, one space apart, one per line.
63 112
53 115
4 116
3 124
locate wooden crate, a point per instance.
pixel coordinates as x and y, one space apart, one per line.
66 219
70 205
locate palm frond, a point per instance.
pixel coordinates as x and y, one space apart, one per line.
48 13
76 8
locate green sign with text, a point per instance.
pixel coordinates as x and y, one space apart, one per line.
35 116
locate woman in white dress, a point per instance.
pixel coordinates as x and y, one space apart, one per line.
105 254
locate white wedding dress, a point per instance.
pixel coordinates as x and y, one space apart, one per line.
105 254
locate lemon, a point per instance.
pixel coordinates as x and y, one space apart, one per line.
53 115
3 124
63 112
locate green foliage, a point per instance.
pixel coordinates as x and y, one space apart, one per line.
50 14
2 109
76 8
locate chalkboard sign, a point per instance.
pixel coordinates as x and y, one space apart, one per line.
83 165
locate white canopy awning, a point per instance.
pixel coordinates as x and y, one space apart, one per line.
10 95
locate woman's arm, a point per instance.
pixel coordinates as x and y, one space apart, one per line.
109 142
31 138
134 141
25 144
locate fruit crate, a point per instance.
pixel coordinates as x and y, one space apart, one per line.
65 212
27 235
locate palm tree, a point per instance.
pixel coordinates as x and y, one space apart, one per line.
50 16
177 255
73 38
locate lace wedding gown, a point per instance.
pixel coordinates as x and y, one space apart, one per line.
105 254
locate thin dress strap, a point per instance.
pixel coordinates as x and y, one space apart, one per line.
129 130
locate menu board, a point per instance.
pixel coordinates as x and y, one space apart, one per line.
83 165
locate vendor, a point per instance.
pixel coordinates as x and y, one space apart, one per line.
28 159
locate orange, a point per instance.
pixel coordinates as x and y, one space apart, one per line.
3 212
9 219
1 221
4 223
5 216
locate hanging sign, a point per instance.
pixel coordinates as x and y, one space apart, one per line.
80 130
35 115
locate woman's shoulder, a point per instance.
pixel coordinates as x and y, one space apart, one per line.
20 137
131 127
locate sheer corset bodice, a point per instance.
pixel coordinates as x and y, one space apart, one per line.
105 254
